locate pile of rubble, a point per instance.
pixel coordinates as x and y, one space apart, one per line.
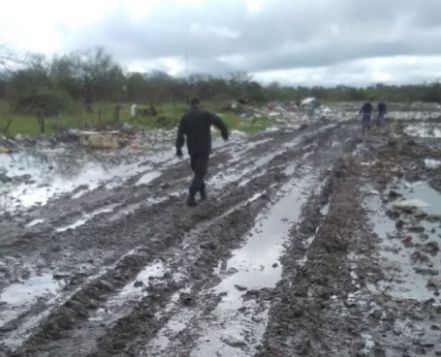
6 145
291 114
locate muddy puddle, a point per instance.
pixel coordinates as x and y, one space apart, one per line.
85 218
257 262
409 231
236 326
424 130
35 222
418 195
432 164
26 299
32 177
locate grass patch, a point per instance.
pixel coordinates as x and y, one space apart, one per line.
102 117
167 117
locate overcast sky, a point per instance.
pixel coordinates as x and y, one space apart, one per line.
299 42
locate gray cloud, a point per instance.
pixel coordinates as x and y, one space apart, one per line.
222 36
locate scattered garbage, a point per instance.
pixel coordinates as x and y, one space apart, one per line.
4 150
133 110
101 140
310 103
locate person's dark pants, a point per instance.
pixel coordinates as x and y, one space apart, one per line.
380 119
366 122
199 165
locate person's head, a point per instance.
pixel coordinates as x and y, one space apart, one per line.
195 102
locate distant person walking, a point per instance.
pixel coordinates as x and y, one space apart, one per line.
366 113
381 112
195 127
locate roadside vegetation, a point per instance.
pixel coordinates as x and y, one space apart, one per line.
89 90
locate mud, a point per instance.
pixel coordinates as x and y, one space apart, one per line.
315 241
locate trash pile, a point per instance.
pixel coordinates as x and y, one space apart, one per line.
289 114
6 145
101 140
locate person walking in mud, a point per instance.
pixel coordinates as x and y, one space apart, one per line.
381 112
366 113
195 127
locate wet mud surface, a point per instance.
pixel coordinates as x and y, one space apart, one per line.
315 241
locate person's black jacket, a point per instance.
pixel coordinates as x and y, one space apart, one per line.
381 108
195 125
367 108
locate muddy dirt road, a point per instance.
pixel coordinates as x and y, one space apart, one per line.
315 241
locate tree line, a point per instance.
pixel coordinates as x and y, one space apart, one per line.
46 86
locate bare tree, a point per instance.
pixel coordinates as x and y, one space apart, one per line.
8 60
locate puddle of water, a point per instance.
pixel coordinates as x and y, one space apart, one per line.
27 325
46 173
246 181
166 339
223 178
432 164
130 209
28 290
156 270
54 172
17 297
35 222
396 260
125 211
423 131
257 264
255 260
87 217
290 170
80 192
74 225
325 209
147 178
421 195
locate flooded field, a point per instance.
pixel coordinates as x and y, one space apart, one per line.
316 240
